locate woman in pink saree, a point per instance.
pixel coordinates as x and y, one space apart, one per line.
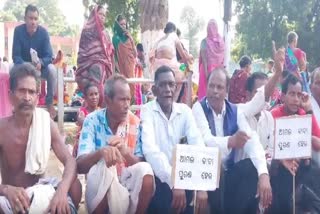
5 105
211 56
95 57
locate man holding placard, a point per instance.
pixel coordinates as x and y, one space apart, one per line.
164 125
224 125
298 138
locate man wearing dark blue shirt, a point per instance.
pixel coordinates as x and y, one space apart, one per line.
33 36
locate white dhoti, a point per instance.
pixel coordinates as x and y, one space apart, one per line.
40 195
122 195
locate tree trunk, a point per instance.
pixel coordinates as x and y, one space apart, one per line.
153 18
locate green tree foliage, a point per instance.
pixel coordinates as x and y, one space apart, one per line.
50 15
261 21
7 16
194 25
129 8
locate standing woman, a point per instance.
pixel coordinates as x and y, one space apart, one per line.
96 53
125 50
211 56
165 53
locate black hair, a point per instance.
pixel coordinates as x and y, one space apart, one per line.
291 79
100 7
23 70
86 89
244 61
285 73
170 27
252 79
224 71
161 70
109 84
74 68
31 8
120 17
5 59
178 32
140 47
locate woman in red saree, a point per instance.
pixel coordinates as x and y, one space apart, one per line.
211 56
95 56
125 50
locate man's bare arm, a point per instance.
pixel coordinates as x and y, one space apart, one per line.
85 162
62 153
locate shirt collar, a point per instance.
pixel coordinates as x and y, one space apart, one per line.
284 113
26 31
102 117
175 108
223 112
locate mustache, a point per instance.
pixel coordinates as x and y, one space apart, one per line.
23 105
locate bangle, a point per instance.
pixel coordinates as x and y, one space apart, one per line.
309 112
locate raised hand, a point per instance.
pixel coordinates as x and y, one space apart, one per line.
279 59
306 102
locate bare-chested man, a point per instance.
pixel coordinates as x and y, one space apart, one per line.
14 141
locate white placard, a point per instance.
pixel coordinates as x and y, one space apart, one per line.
196 168
293 137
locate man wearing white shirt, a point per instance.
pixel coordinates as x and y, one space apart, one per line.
165 124
261 122
224 125
259 90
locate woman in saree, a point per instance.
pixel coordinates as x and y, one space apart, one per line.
295 60
211 56
95 56
165 53
125 51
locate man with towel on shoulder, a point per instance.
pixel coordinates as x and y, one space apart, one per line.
110 154
25 142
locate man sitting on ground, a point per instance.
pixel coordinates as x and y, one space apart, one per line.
223 124
262 122
164 125
259 89
295 102
33 36
107 148
26 139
